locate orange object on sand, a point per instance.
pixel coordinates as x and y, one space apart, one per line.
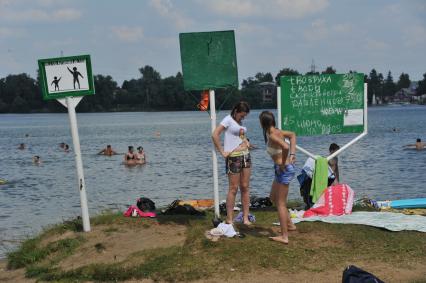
204 102
198 203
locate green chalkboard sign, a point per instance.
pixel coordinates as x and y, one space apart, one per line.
323 104
209 60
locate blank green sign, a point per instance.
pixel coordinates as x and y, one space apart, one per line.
322 104
208 60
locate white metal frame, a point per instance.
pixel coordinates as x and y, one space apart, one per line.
343 148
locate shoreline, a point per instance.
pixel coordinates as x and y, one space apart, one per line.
174 248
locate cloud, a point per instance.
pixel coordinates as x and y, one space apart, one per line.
11 32
40 15
393 9
414 36
287 9
375 45
319 30
129 34
165 9
249 29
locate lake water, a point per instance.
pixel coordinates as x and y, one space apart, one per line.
179 163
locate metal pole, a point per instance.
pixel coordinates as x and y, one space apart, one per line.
365 108
79 164
364 133
280 126
214 156
279 107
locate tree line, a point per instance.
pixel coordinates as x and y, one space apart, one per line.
150 92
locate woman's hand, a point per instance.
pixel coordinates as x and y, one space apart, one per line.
225 154
292 158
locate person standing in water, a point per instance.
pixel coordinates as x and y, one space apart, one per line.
237 158
419 145
107 151
75 75
283 156
130 157
140 156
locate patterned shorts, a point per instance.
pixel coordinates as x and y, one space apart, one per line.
235 164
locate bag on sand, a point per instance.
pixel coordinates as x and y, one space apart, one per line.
353 274
145 204
175 208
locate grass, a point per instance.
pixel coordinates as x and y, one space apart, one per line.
315 248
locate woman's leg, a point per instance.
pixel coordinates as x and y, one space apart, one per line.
273 198
280 192
245 193
234 180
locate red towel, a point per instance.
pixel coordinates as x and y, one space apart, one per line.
335 200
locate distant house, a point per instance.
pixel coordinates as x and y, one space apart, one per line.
268 90
407 94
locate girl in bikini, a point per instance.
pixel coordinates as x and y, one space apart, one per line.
140 156
129 157
283 156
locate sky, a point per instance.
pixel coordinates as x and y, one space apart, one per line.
123 36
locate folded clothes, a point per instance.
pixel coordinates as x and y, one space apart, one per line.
224 229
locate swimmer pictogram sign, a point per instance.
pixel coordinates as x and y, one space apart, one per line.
66 76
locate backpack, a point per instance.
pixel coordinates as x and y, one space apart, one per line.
353 274
175 208
145 204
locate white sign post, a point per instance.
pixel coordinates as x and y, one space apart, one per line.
214 156
71 103
67 79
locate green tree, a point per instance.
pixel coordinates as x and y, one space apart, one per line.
389 85
421 89
103 100
261 77
24 87
403 82
174 95
375 84
329 70
285 72
312 73
150 83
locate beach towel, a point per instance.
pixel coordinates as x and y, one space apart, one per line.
335 200
387 220
320 178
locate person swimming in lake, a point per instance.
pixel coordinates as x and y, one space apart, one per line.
130 157
21 146
107 151
419 145
140 156
36 160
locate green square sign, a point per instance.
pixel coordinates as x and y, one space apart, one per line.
66 76
209 60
